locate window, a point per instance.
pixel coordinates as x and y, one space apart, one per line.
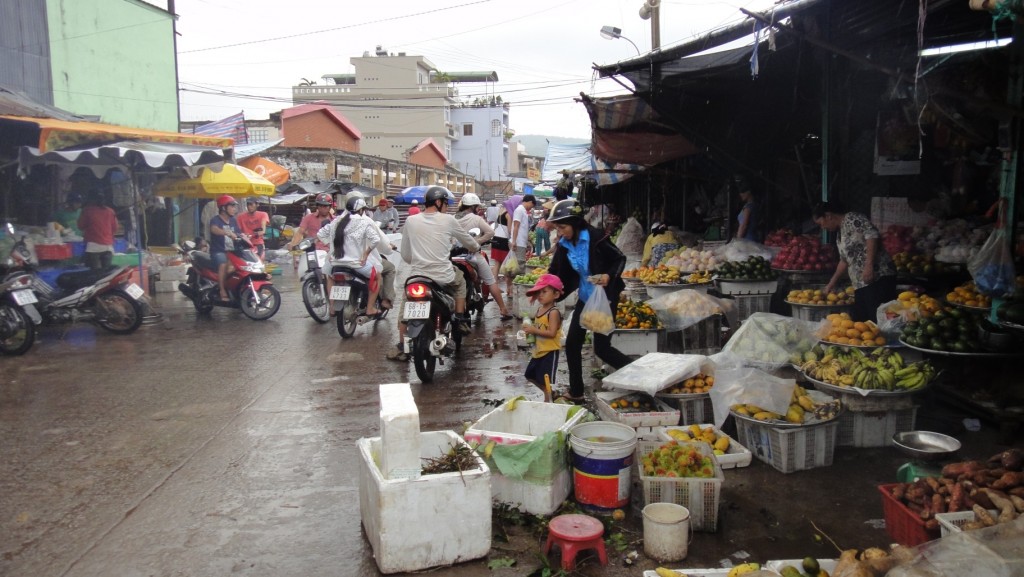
258 135
495 127
467 129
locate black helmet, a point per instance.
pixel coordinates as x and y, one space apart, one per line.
434 194
355 204
565 211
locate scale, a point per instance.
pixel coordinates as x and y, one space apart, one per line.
928 450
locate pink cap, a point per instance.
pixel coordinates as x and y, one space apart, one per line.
547 280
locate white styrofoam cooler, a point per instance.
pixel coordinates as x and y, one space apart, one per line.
411 523
524 424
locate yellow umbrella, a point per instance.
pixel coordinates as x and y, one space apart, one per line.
231 179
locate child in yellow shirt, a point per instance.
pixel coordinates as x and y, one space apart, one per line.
547 326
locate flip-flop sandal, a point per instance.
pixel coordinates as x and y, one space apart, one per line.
566 399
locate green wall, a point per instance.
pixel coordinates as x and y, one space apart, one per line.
114 59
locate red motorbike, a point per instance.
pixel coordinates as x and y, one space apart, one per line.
248 284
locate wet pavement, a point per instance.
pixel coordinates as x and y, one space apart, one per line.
216 445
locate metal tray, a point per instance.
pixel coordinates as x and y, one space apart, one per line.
955 354
1010 325
818 398
807 272
825 343
822 385
965 307
810 306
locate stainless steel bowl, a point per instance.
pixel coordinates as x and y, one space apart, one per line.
926 445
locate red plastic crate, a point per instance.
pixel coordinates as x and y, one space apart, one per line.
53 251
903 525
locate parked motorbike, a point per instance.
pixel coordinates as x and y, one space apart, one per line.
104 296
248 285
430 331
314 287
349 297
17 330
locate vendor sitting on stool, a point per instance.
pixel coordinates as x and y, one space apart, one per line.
660 242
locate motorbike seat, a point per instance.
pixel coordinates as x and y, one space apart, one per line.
75 280
202 259
350 271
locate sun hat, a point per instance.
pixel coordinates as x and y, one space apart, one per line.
546 280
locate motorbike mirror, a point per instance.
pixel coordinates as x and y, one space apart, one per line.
474 232
304 244
190 245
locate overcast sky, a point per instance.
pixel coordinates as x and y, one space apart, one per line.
542 50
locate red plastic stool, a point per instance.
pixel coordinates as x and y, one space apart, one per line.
575 533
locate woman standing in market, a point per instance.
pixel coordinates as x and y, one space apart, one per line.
862 257
586 259
98 224
749 218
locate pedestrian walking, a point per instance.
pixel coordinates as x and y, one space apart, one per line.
546 327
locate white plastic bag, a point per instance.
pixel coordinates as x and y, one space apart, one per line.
740 249
597 313
631 238
511 265
770 341
684 308
656 371
748 385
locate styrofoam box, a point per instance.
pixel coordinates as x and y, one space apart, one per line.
777 565
639 341
950 523
693 408
174 273
399 426
411 523
664 415
790 449
165 286
521 303
698 494
522 425
737 455
728 287
875 428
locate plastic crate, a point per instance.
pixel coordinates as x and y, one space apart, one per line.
728 287
950 523
816 313
663 415
694 409
77 248
873 428
53 251
790 449
699 495
737 455
707 334
903 525
747 305
639 341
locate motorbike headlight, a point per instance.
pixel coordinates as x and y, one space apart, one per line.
253 267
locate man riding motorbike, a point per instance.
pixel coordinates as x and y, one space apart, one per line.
426 246
223 227
353 240
468 219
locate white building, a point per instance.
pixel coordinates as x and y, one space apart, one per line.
482 149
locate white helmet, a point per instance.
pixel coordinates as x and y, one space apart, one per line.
470 199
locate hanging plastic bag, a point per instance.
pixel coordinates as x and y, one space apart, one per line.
631 238
992 268
511 265
597 313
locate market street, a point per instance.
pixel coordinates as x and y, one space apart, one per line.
216 445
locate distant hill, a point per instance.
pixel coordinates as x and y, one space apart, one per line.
537 144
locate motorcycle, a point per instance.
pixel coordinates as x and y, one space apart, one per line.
17 330
104 296
349 297
248 284
314 287
430 332
477 293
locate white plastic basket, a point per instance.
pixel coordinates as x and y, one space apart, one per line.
873 428
737 456
950 523
790 449
662 415
698 494
747 305
729 287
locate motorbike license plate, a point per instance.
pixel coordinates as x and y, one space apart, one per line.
311 259
134 291
417 310
24 297
340 293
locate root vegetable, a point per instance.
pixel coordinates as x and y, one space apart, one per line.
972 526
1011 460
1006 511
981 499
1018 503
1019 491
938 504
932 483
956 498
899 491
1008 480
954 470
983 516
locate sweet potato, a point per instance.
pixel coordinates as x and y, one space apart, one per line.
983 516
1010 459
956 499
933 484
954 470
980 498
1018 503
1008 480
1006 511
1019 491
938 504
899 491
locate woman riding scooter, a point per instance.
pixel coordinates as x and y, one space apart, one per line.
468 219
352 241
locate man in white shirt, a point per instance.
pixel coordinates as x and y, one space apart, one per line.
492 213
426 247
521 229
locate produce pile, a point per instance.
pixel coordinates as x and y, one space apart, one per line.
967 295
769 338
800 406
633 403
530 277
872 562
840 329
997 484
538 261
806 253
912 306
635 315
817 297
684 308
881 369
949 240
899 239
1011 312
660 274
947 329
778 238
916 264
675 459
753 268
698 278
719 442
700 383
690 259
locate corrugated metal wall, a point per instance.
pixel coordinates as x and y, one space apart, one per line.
25 49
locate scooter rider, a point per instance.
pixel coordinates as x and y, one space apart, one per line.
311 224
426 246
387 270
353 240
223 227
469 219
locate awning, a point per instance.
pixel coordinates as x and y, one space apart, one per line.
129 156
229 179
268 169
628 131
243 151
46 134
579 159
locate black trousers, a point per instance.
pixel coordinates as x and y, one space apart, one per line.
868 299
574 352
98 260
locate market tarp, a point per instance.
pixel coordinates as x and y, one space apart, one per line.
128 156
268 169
230 179
627 130
243 151
578 158
53 134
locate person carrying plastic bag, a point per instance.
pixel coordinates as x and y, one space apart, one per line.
585 259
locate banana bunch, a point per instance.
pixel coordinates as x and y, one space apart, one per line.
800 405
665 572
829 369
719 442
743 569
914 376
880 369
698 278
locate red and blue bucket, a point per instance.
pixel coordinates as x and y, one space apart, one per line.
602 456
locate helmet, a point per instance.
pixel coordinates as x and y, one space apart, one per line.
355 204
252 200
494 202
414 201
225 199
565 211
324 199
434 194
470 199
74 197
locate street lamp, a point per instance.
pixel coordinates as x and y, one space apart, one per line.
613 33
652 10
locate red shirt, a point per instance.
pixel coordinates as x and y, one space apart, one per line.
311 224
98 224
249 222
414 210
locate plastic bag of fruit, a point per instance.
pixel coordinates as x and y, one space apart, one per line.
770 341
631 238
748 385
739 249
656 371
684 308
